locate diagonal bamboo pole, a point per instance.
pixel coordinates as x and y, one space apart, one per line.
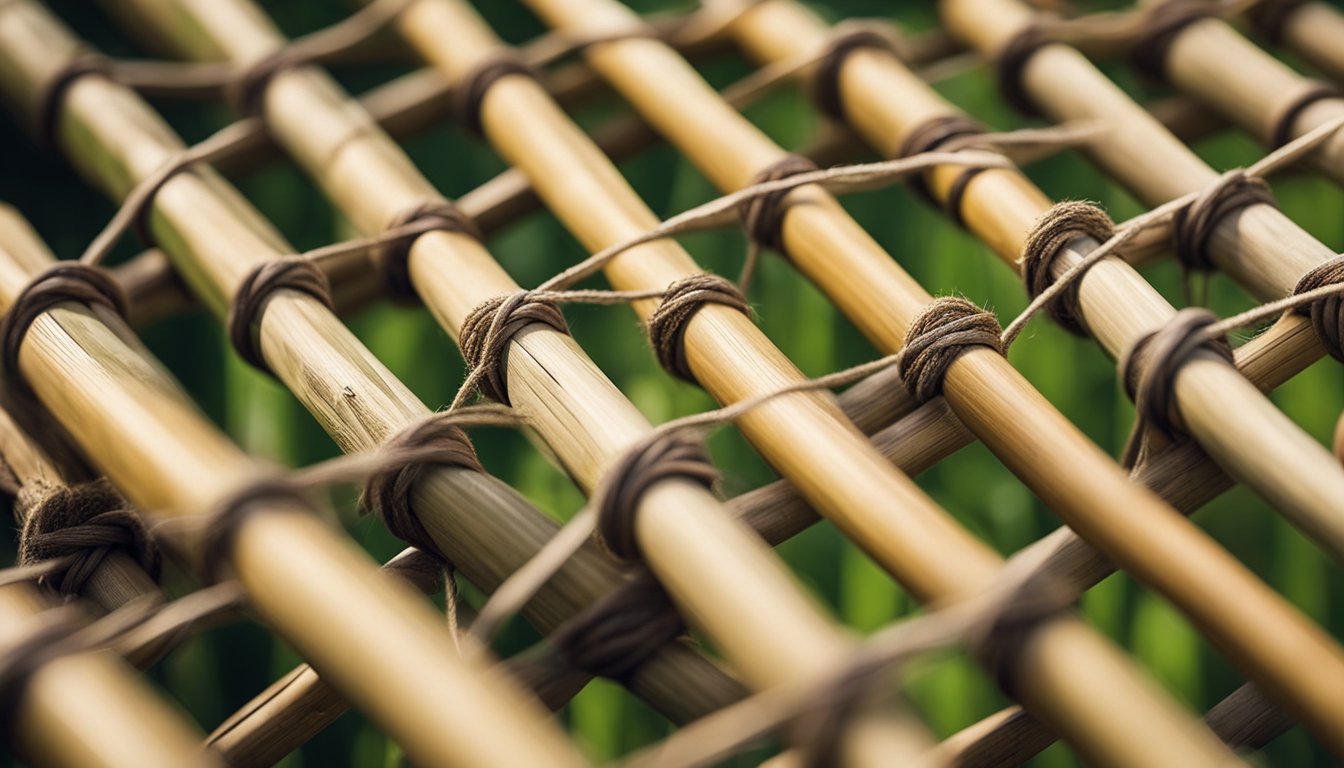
1163 551
1212 62
308 583
484 527
1312 29
534 136
576 409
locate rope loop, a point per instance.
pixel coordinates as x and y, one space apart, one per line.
1194 225
763 216
429 216
1061 225
469 93
1327 315
487 330
937 336
665 457
667 325
249 301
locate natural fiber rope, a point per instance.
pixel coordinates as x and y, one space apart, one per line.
1270 17
624 484
72 528
615 635
430 216
469 92
1162 25
844 41
1195 224
667 324
1010 63
485 335
1285 125
1327 315
929 136
221 524
763 216
250 300
937 336
1061 225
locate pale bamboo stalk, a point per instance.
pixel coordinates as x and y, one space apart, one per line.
309 583
485 528
1162 550
533 135
1314 30
1212 62
91 708
561 393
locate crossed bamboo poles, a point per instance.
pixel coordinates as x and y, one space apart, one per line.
886 104
688 114
483 526
505 106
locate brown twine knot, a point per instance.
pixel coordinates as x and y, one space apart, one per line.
1282 132
222 523
614 636
1062 224
665 457
62 282
81 524
387 492
487 330
249 302
684 298
937 336
469 93
1000 639
1271 16
245 91
928 136
48 640
1149 369
1161 26
763 216
429 216
1194 225
826 92
1010 65
51 98
1327 314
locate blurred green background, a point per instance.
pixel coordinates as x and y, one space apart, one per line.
214 674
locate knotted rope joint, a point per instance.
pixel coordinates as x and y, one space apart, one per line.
487 330
763 216
666 457
1327 315
826 92
250 300
937 336
1162 25
1194 225
469 93
429 216
1064 223
667 325
928 136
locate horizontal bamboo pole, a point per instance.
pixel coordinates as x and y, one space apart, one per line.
575 181
1314 30
131 420
485 528
1212 62
561 393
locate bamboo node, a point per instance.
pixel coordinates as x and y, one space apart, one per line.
249 301
1149 369
1327 314
667 325
485 335
1062 224
937 336
667 455
1194 225
80 524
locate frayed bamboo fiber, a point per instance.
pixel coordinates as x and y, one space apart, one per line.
1159 549
524 126
1211 62
572 405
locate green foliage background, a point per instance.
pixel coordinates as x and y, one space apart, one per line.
214 674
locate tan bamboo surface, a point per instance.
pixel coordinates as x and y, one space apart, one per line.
533 135
1212 62
304 580
1161 550
576 409
1314 30
483 526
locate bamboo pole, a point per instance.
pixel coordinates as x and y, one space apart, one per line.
1160 549
1212 62
484 527
534 136
1314 30
576 409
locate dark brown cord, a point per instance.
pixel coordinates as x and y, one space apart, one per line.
1010 64
82 524
684 298
487 330
1061 225
249 302
51 99
928 136
937 336
469 92
999 641
1149 369
1271 16
1162 25
62 282
826 75
429 216
617 499
614 636
387 492
1287 122
1327 315
1194 225
763 217
222 523
45 642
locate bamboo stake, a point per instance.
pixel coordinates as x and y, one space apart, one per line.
1212 62
1314 30
1165 552
580 414
485 528
531 133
